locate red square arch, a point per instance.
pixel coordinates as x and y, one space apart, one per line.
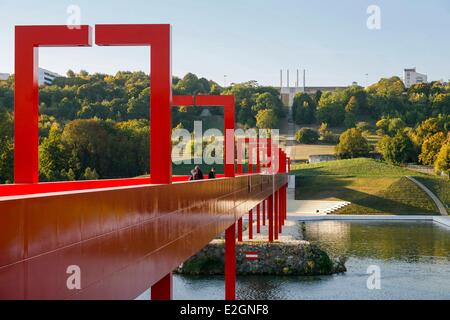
225 101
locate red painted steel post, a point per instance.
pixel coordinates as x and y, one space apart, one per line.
28 39
250 149
282 201
258 218
158 38
239 150
264 212
230 263
276 213
285 202
162 290
250 225
258 156
270 217
240 230
280 210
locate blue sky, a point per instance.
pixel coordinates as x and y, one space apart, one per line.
253 39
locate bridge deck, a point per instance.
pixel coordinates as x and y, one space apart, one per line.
124 239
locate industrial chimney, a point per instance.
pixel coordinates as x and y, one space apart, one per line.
288 83
281 78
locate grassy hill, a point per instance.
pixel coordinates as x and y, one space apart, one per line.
372 187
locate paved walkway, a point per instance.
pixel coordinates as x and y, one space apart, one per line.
439 204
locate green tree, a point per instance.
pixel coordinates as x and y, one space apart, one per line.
386 97
307 136
91 145
266 119
398 149
53 156
6 146
431 147
352 144
303 109
350 120
331 109
352 105
443 159
90 174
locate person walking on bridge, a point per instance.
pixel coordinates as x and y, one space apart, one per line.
196 174
212 173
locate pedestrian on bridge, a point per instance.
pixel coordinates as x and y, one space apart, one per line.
212 173
196 174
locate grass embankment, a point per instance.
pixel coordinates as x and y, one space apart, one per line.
304 151
371 186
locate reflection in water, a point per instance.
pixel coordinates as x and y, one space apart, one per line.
402 241
414 259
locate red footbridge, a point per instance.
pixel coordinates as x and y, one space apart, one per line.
121 237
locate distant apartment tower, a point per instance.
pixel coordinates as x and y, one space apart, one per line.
4 76
412 77
47 77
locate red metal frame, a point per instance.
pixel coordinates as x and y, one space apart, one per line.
28 39
158 38
225 101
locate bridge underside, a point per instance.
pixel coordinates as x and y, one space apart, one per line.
123 239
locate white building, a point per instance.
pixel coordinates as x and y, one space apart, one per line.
4 76
47 77
412 77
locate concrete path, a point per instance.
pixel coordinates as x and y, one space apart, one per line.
290 232
311 207
437 201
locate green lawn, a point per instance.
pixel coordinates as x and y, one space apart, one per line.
439 186
372 187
